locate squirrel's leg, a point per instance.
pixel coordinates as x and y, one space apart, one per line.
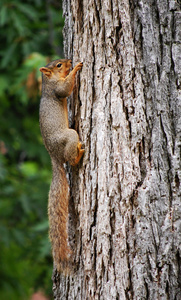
76 69
79 154
73 151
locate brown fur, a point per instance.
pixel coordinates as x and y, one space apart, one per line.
63 145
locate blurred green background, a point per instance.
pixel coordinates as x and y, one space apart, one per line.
30 35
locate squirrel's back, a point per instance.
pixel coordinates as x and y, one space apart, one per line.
52 116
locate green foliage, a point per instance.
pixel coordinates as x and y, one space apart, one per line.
30 32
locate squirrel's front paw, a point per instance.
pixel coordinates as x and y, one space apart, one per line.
79 66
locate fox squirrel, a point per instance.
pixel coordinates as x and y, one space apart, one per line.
63 145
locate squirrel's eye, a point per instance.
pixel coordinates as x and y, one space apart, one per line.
59 65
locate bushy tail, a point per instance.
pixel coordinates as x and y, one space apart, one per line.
58 217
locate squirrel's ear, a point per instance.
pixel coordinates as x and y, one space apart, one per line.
46 71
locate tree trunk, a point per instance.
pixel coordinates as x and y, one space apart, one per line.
125 209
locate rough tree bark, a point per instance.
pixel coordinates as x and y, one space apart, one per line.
125 209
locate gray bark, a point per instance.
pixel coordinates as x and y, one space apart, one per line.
125 208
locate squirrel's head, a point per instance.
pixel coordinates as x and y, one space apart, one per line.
57 69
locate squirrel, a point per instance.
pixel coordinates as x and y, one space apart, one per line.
63 145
